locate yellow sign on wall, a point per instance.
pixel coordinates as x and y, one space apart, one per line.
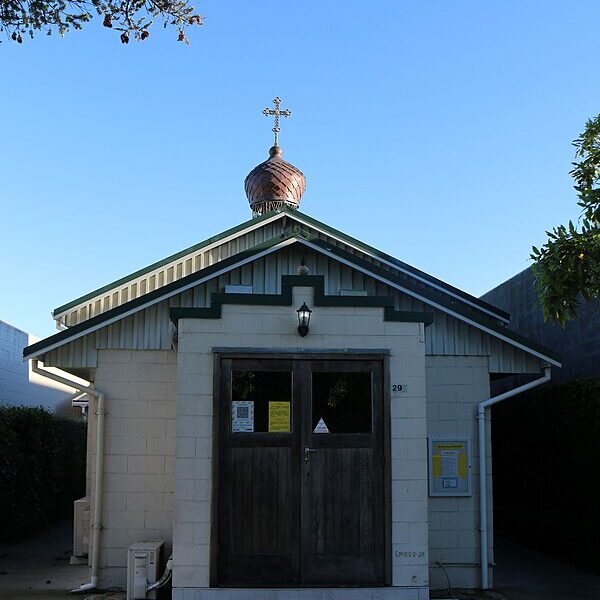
279 417
449 467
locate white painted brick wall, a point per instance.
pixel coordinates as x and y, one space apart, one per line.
18 385
275 327
455 385
139 461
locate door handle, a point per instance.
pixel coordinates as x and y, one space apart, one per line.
307 450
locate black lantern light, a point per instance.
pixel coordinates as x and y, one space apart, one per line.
303 319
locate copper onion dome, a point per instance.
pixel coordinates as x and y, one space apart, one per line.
273 184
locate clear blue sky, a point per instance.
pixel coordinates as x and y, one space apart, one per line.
439 132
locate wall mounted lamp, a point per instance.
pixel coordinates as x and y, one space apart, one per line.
303 319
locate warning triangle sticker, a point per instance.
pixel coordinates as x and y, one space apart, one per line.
321 427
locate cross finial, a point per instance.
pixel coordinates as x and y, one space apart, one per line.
276 113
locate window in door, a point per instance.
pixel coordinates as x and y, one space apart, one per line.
342 402
261 401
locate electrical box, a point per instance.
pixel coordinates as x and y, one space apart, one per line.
81 530
144 564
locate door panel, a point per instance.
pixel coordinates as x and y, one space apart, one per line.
259 508
262 527
342 500
290 517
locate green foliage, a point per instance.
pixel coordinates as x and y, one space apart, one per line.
567 266
546 469
132 18
42 469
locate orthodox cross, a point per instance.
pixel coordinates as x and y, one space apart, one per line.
276 113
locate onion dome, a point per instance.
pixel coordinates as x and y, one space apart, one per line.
273 184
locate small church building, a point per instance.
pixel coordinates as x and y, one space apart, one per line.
294 412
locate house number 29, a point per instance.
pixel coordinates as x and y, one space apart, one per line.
398 388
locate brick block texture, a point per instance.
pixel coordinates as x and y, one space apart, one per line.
139 461
455 385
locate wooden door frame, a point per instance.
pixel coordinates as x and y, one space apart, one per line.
382 355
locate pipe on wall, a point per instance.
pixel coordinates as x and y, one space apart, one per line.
481 408
98 480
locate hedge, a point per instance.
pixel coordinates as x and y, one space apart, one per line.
42 469
546 471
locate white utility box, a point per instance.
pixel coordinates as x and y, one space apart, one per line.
144 561
81 530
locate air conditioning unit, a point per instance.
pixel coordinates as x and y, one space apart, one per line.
144 563
81 531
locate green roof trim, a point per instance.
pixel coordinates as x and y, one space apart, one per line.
162 263
285 299
150 296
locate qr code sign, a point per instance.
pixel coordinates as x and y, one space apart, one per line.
243 412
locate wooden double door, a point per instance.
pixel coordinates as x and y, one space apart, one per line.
301 495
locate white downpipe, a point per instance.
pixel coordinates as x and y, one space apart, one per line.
97 523
481 407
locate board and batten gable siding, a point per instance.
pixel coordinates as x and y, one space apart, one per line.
274 327
151 329
455 385
139 461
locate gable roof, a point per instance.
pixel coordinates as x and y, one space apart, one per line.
448 304
247 226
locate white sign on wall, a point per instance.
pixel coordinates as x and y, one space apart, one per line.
242 416
321 427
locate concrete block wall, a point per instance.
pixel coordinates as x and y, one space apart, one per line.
455 385
139 461
275 328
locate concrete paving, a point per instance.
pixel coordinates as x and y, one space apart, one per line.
39 569
523 574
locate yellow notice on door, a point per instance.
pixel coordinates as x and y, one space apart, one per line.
279 417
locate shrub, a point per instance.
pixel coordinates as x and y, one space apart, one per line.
547 470
42 469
